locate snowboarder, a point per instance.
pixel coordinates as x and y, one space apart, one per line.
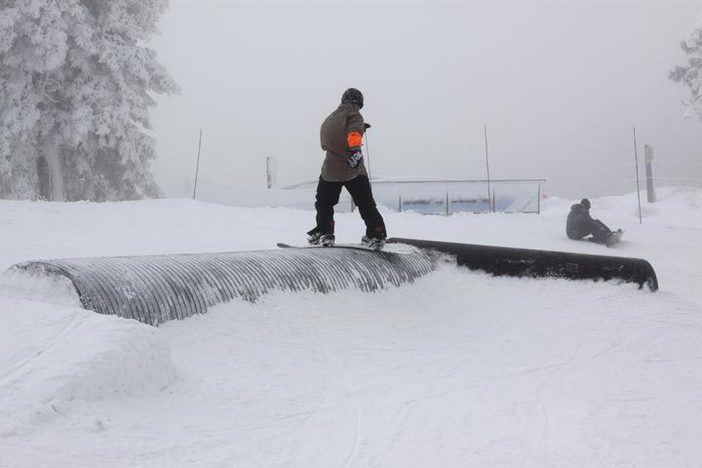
581 224
341 136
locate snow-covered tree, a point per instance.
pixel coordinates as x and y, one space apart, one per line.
76 85
691 72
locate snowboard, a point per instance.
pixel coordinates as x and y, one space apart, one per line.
614 238
611 240
335 246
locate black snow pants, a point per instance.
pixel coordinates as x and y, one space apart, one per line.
589 226
600 231
360 189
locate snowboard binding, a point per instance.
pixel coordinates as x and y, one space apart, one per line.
376 243
323 240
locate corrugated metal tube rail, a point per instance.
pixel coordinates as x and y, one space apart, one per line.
155 289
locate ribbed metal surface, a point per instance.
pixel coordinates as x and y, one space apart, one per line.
158 288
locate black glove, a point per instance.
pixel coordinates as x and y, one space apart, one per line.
366 126
355 159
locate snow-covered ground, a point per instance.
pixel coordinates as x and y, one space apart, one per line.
458 369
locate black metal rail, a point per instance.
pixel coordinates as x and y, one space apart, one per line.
543 263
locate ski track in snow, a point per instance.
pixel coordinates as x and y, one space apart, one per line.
458 369
15 370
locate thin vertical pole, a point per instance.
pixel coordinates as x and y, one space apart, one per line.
638 188
487 167
197 166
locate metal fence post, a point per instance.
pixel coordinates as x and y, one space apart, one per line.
650 189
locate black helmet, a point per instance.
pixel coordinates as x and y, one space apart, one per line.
586 203
352 96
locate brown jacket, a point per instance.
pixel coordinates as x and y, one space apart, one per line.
343 128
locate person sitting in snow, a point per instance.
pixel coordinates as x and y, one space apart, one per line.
341 137
580 224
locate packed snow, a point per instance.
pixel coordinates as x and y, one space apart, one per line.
457 369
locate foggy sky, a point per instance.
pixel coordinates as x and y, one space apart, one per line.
559 84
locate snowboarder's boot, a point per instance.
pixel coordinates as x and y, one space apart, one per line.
376 243
320 236
324 240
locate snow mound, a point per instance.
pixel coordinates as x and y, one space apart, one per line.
56 355
54 289
674 207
